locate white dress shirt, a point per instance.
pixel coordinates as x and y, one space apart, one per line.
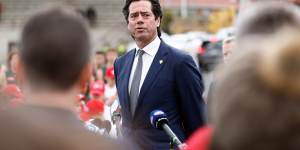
150 52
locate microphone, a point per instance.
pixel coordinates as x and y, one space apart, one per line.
116 117
160 121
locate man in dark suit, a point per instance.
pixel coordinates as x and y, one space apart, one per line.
153 76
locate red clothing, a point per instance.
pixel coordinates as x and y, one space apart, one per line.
84 116
97 88
13 94
95 107
110 73
200 140
12 90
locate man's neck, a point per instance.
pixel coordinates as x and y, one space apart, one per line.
49 98
141 44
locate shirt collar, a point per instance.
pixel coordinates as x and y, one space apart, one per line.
152 47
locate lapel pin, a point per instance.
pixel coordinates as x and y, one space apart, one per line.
161 61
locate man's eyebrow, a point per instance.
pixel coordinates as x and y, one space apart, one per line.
133 12
142 12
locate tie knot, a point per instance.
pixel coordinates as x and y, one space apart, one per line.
140 52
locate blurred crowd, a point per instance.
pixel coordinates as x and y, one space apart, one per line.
98 103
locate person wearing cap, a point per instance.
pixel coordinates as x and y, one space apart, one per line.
95 109
97 89
97 103
111 98
110 93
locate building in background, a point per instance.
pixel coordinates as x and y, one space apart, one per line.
108 23
204 15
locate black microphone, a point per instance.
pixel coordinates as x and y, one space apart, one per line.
160 121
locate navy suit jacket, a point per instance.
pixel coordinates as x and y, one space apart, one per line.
174 85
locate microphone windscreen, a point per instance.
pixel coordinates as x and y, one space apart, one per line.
157 117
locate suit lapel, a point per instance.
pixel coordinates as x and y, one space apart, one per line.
158 62
128 66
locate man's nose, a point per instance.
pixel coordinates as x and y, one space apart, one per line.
140 19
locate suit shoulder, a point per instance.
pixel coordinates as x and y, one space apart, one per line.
123 57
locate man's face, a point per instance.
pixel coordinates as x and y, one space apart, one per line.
227 50
142 24
111 56
13 62
100 59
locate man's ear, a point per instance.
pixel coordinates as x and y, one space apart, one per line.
85 77
158 21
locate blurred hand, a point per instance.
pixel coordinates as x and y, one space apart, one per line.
182 146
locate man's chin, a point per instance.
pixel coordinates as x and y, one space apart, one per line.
140 37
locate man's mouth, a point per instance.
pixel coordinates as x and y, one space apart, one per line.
140 29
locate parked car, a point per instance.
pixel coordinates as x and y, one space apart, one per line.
210 54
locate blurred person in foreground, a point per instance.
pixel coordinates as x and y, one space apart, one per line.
153 76
262 112
257 22
260 22
54 63
24 131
